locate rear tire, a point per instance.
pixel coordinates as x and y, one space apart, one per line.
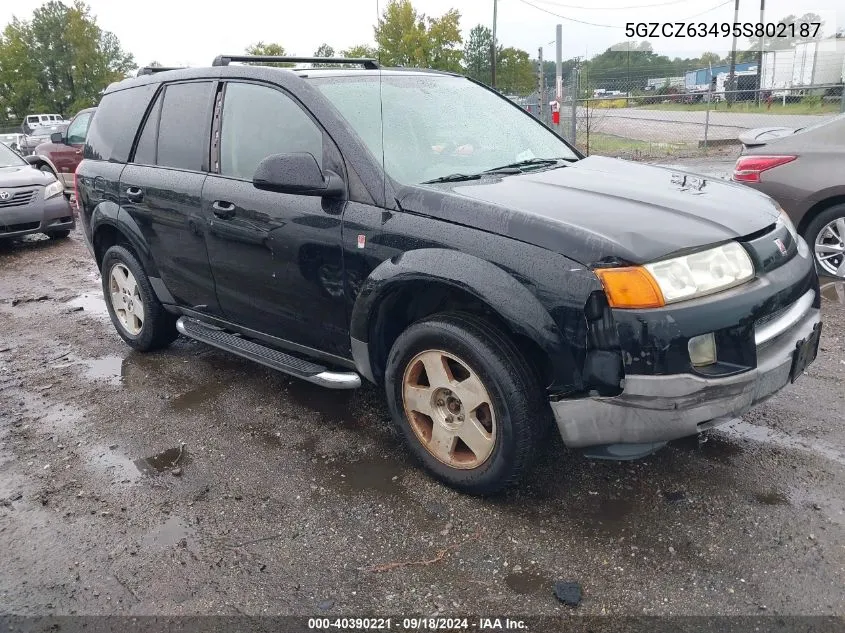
476 425
825 235
135 311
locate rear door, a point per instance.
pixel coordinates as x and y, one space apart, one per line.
161 190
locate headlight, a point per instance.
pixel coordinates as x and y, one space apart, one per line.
671 280
53 189
785 220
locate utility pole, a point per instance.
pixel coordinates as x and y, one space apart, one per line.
493 52
760 53
729 96
559 63
540 84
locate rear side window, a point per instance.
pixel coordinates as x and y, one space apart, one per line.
115 123
185 126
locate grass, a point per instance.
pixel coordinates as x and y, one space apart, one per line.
748 107
610 145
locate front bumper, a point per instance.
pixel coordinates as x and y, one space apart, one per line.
660 408
39 216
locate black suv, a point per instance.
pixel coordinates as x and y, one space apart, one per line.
421 231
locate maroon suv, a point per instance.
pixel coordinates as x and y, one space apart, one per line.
63 152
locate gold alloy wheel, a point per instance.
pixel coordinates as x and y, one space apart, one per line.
126 299
449 409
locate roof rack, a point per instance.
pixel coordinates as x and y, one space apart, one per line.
225 60
149 70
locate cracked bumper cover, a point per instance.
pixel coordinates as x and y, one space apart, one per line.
663 408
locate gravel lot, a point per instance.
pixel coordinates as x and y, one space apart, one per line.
285 499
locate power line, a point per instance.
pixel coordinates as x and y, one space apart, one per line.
612 26
641 6
563 17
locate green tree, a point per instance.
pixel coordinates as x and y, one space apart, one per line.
408 38
515 72
361 50
477 51
59 61
269 49
709 58
324 50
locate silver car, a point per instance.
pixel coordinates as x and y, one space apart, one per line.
31 201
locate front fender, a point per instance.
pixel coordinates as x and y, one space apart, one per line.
34 159
503 293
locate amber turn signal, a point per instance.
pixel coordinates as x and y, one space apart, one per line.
631 287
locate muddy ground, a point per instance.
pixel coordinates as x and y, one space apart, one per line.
294 500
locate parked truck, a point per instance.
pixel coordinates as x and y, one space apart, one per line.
790 72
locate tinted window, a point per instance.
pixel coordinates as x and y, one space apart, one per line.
259 121
115 123
76 130
145 152
184 128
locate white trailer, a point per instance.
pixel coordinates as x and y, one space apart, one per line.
808 64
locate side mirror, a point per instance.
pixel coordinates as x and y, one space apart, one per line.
296 173
57 137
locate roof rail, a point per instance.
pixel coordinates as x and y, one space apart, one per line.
225 60
149 70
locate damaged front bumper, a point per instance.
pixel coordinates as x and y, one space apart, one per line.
657 408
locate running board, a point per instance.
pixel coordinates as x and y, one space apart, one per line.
268 356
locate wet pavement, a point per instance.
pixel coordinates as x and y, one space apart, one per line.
191 481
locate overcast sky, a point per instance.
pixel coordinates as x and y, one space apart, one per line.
193 32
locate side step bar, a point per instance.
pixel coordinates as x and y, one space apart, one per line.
268 356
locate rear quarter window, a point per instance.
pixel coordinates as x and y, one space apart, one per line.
115 123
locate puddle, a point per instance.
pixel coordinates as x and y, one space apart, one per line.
834 291
120 467
333 405
381 475
174 531
107 368
163 461
772 498
525 583
196 397
91 303
764 435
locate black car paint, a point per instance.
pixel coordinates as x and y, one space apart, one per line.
521 245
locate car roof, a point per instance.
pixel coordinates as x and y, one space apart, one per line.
247 71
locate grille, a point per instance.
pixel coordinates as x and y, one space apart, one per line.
771 317
14 228
18 198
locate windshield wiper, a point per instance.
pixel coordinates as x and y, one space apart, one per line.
453 178
531 162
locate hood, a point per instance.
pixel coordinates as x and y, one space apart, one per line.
601 209
23 176
762 135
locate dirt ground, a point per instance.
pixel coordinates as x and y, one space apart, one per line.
190 481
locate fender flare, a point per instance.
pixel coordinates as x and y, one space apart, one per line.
107 213
32 159
512 301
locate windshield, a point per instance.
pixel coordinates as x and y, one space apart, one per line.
436 126
8 158
815 126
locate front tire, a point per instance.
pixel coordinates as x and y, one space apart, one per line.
135 311
466 402
825 236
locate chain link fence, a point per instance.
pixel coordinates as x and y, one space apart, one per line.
647 119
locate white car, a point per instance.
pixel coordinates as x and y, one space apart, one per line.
33 121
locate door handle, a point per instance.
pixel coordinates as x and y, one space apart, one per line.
134 194
79 151
223 210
